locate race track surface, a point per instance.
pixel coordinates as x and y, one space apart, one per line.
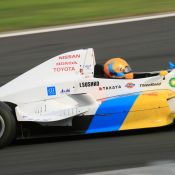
147 45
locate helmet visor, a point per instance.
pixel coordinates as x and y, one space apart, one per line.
127 69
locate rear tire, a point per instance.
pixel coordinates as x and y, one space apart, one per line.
7 125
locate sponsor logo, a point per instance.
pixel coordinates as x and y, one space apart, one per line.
65 66
151 94
150 84
65 91
63 69
51 91
66 63
110 87
130 85
69 56
172 82
88 66
89 84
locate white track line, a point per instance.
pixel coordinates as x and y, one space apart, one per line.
159 169
84 25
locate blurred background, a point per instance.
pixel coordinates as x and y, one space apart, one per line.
22 14
147 45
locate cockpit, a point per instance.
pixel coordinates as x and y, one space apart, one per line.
99 73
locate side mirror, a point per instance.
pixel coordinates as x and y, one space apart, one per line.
163 73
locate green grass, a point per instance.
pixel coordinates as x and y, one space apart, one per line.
22 14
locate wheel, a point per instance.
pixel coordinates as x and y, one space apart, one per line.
7 125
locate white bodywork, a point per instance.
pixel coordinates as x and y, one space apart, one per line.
64 86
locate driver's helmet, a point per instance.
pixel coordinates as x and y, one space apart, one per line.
118 68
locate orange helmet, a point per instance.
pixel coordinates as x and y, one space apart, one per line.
118 68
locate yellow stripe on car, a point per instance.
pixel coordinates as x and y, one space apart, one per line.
151 109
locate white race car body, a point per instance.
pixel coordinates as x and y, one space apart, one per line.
66 86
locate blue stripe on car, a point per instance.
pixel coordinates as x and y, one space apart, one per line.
111 114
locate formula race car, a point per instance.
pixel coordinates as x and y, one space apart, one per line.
71 92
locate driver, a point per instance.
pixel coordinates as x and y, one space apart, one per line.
118 68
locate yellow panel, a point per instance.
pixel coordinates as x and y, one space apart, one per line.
149 110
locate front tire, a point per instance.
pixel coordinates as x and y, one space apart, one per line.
7 125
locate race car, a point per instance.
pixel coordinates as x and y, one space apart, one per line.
71 92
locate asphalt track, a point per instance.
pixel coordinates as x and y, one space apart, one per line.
147 45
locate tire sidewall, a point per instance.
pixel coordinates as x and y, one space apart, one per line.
10 125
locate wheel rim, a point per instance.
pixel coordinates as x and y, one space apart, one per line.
2 126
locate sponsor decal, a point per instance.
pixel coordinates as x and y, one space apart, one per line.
172 82
81 71
88 66
89 84
66 63
151 94
65 91
69 56
110 87
150 84
65 66
130 85
51 91
64 69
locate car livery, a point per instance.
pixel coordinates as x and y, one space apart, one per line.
72 92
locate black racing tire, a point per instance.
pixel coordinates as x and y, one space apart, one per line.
7 125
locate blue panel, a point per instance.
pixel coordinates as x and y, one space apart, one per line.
111 114
51 91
